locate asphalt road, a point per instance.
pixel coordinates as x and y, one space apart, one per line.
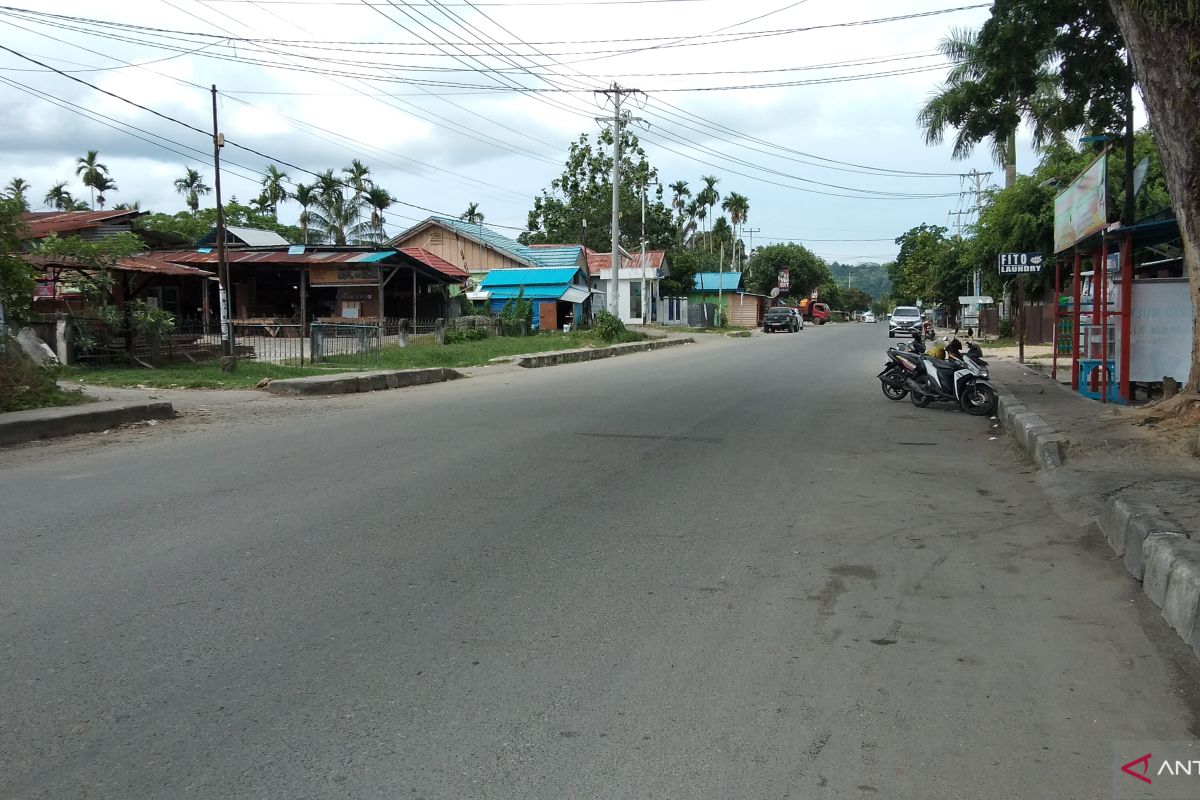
730 570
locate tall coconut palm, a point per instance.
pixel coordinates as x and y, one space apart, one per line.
16 190
691 212
737 206
338 218
709 196
472 215
59 198
329 184
192 186
379 200
136 205
305 195
679 195
103 184
358 177
700 213
274 190
91 171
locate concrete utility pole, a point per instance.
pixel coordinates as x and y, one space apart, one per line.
228 351
750 246
645 281
616 93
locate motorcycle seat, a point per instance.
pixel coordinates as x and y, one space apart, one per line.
941 363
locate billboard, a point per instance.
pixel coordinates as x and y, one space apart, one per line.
784 279
1080 210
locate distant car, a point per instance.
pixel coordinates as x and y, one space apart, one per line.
905 320
868 317
782 318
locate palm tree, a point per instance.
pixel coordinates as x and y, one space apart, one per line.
679 194
261 205
709 196
136 205
337 218
306 195
329 184
192 186
379 200
274 190
58 197
691 213
79 205
737 206
91 171
966 102
16 190
472 215
358 177
103 184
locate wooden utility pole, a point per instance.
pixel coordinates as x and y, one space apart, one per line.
228 350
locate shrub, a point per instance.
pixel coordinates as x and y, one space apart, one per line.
25 385
457 335
1005 328
608 327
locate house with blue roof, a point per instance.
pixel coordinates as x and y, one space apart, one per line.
560 295
478 249
740 308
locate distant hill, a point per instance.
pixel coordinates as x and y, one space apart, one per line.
872 278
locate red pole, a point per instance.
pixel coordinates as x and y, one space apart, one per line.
1126 313
1076 319
1054 335
1100 295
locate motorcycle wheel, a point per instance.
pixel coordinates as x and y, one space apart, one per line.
978 401
892 392
920 399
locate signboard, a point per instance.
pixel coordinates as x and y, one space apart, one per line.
1160 331
1020 263
331 275
784 279
1080 210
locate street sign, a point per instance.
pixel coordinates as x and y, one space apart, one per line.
1020 263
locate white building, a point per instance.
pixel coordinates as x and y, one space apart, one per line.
631 276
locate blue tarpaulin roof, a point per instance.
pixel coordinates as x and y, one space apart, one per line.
712 281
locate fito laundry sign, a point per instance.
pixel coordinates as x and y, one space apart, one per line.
1020 263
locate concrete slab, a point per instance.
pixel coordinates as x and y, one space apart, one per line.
1158 556
1183 589
355 382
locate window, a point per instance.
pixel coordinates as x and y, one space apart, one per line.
635 300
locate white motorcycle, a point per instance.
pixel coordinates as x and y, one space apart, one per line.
962 381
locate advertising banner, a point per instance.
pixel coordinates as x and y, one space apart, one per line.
1080 210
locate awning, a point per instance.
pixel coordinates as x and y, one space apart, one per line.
478 296
575 295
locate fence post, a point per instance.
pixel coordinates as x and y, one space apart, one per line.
439 331
403 334
62 342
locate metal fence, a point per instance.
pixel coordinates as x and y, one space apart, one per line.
342 344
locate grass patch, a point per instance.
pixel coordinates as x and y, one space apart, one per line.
206 375
25 385
1008 342
421 352
686 329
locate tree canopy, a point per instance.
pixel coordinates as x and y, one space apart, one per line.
806 270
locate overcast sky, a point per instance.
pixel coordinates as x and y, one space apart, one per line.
342 86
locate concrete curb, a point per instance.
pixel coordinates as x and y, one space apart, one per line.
1155 550
535 360
1045 445
355 382
46 423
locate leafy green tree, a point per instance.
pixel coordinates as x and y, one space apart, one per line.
684 266
806 270
872 278
92 172
853 299
577 206
188 227
192 187
930 267
16 276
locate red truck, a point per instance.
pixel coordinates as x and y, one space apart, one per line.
813 311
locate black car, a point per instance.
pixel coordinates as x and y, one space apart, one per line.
783 319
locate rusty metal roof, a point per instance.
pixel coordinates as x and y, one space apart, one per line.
281 256
436 262
43 223
147 264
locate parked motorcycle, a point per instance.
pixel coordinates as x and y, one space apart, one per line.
902 365
960 379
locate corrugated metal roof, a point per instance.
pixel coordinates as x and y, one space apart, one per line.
516 278
557 255
131 264
255 237
436 262
44 223
311 255
712 281
489 237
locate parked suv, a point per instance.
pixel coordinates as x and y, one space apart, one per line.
782 318
905 320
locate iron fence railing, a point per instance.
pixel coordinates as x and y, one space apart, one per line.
349 345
